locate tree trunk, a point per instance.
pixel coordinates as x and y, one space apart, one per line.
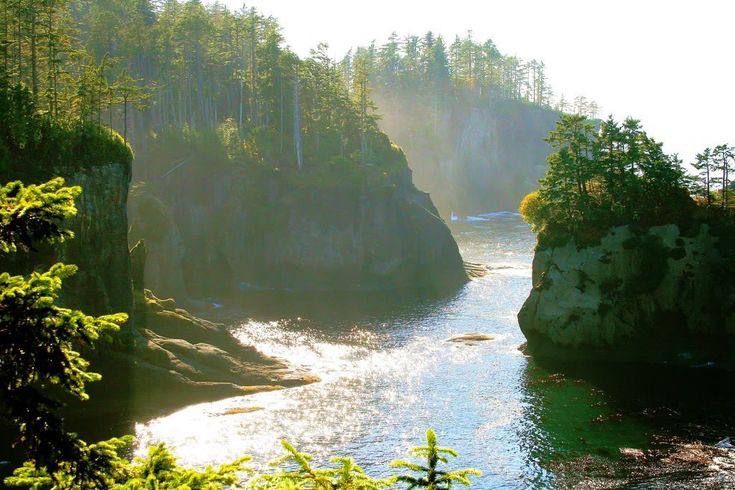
297 125
239 120
19 41
253 71
6 40
125 118
34 54
281 113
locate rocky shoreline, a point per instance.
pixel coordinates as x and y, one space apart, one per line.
648 295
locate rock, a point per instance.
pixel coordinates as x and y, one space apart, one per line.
103 282
691 454
486 157
725 443
632 453
214 232
176 359
241 410
637 296
474 270
164 357
471 337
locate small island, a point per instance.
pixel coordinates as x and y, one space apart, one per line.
634 260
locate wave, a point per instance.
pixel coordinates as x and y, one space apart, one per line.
483 217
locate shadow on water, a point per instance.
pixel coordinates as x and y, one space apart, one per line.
388 374
331 306
581 415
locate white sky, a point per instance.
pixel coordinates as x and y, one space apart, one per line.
669 63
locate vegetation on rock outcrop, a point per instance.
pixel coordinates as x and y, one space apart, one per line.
629 266
602 177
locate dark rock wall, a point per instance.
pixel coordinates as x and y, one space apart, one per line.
219 231
103 283
100 245
656 295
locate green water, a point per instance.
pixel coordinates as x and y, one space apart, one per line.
388 374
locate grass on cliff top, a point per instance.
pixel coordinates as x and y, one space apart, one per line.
36 146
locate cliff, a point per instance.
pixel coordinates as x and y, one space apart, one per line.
164 357
218 230
471 156
100 162
653 295
103 282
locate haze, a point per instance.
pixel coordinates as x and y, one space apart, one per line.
667 63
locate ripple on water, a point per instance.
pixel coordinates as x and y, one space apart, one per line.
388 374
385 377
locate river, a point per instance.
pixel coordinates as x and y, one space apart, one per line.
388 373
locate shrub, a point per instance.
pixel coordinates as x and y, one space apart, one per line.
532 210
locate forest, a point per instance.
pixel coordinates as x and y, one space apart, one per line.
612 174
144 69
440 71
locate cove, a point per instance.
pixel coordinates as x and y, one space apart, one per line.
388 373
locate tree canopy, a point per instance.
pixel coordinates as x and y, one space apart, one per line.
606 175
146 67
446 71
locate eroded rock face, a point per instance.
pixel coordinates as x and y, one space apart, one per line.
164 357
655 296
174 359
103 283
221 231
100 245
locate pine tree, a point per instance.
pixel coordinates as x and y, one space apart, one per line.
724 158
704 165
38 339
429 474
597 179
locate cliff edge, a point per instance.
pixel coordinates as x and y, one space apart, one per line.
650 295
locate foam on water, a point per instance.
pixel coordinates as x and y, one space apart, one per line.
389 376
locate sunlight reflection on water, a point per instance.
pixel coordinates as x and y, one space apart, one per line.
386 378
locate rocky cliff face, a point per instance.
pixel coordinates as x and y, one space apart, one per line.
217 231
471 158
100 248
651 296
103 283
164 357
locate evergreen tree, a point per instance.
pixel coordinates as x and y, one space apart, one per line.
704 165
724 158
601 178
429 474
38 340
571 167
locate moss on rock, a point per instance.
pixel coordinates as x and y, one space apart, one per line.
640 295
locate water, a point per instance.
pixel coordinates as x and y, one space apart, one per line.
388 373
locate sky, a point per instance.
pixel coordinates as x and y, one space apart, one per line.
670 64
